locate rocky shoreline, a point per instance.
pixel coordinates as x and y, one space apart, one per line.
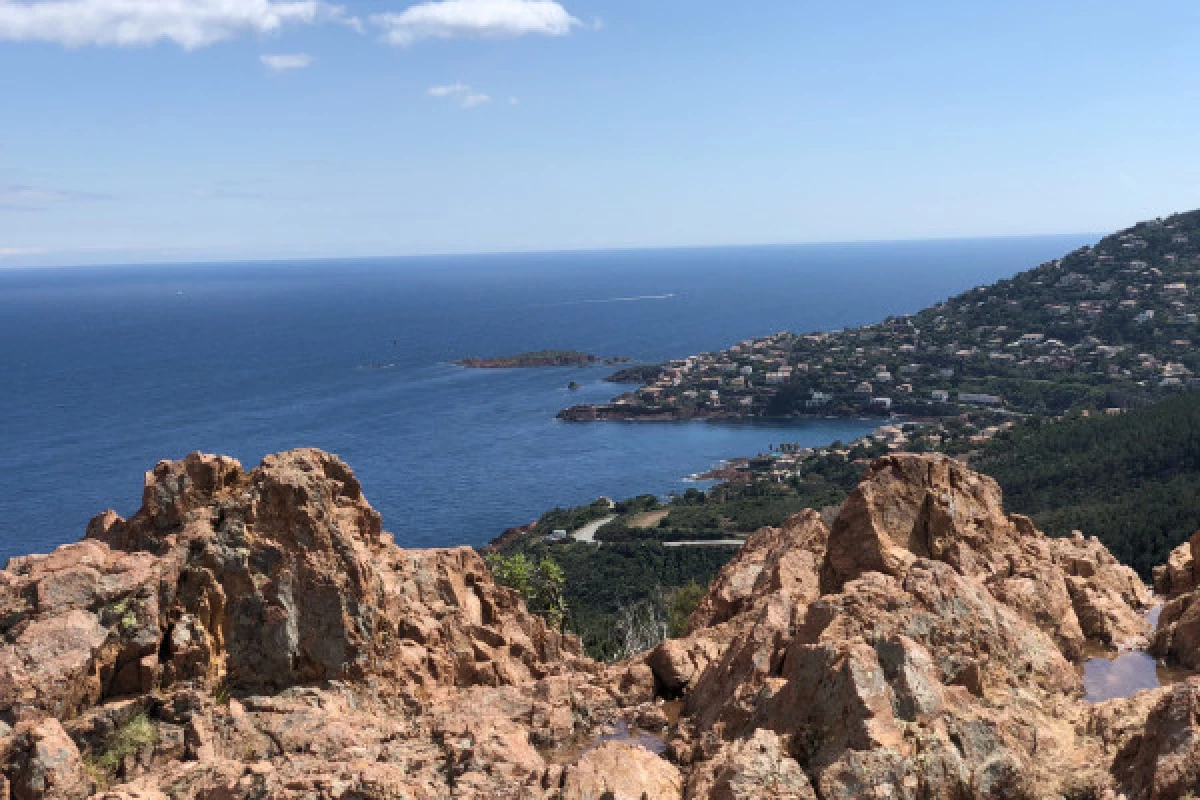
541 358
256 634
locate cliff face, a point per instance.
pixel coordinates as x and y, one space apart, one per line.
256 634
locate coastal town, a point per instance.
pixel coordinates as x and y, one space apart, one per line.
1108 326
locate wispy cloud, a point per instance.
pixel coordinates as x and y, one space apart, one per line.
187 23
19 197
463 95
282 62
17 252
444 19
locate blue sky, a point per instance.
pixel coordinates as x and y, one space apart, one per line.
159 130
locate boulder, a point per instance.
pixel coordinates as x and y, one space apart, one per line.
44 764
622 771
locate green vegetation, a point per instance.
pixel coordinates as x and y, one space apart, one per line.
540 583
680 605
569 519
1133 479
129 738
599 584
639 373
538 358
725 512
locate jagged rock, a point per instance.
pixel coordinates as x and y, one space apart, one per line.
781 563
937 661
622 771
1179 574
260 581
278 644
758 768
909 507
1162 761
1177 638
44 763
785 559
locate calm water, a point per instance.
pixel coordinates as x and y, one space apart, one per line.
1124 674
106 371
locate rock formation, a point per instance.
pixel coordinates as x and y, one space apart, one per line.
277 641
256 634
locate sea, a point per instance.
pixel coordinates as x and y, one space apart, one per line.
104 371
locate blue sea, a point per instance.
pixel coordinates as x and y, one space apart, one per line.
107 370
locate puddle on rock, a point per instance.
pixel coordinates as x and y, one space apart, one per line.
619 732
1111 675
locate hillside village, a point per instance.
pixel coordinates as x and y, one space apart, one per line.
1108 326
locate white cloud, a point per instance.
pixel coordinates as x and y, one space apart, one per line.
281 62
444 19
448 90
463 94
187 23
14 252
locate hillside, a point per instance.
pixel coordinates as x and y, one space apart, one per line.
1133 480
1110 325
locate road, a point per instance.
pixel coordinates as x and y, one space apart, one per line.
588 532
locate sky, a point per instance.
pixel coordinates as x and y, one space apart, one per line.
188 130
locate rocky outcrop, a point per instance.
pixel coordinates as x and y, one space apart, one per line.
1162 759
257 634
621 771
924 647
264 617
1179 574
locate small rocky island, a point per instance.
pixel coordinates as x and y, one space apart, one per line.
541 358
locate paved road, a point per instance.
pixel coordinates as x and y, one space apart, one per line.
708 543
588 532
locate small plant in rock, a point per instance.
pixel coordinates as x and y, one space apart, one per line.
129 738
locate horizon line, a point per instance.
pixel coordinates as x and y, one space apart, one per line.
307 259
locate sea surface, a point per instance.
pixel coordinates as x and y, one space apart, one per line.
105 371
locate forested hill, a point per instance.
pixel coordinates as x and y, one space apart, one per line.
1133 479
1109 325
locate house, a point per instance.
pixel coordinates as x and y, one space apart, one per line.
979 399
864 388
882 402
818 399
556 535
940 396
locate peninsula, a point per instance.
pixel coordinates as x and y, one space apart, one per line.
1112 325
540 358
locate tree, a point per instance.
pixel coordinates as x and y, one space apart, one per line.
540 584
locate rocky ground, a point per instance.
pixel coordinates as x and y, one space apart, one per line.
256 634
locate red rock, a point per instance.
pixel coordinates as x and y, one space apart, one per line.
622 771
45 764
924 646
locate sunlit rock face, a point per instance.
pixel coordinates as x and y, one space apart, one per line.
255 633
